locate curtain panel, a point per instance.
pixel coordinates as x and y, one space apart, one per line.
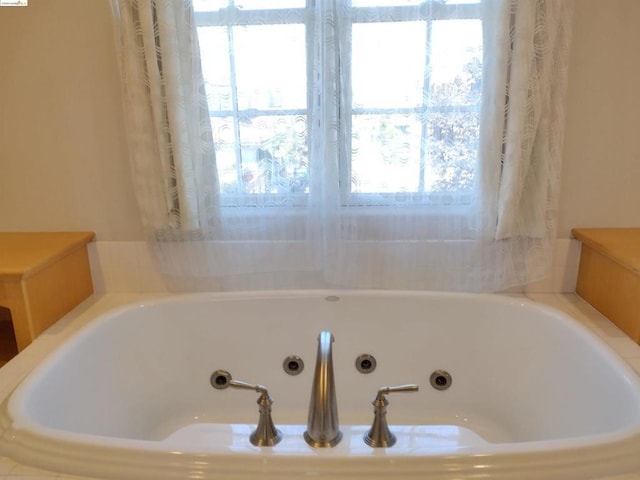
335 213
168 127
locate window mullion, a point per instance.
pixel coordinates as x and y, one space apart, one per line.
345 106
426 100
312 101
235 111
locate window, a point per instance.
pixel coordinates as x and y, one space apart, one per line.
348 142
409 98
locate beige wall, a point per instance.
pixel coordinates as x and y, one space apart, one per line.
62 147
601 174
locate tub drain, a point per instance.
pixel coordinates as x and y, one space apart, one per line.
440 380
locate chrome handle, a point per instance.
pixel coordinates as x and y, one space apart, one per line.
249 386
411 387
380 399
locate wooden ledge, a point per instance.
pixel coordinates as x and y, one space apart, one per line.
43 275
622 245
609 274
23 254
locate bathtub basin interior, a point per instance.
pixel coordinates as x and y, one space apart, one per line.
523 378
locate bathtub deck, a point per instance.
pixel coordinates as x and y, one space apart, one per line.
411 440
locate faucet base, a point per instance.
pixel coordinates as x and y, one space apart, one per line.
322 443
376 441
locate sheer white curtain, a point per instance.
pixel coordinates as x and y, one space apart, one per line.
388 153
531 67
166 113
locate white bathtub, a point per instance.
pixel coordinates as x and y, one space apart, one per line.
533 395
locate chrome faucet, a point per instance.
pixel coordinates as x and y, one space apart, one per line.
379 434
322 425
265 434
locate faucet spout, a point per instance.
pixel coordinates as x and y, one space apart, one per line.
322 426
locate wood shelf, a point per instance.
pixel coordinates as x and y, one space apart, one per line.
43 275
609 274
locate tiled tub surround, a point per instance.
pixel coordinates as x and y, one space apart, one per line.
127 267
13 372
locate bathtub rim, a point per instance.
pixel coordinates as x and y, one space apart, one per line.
593 456
612 450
